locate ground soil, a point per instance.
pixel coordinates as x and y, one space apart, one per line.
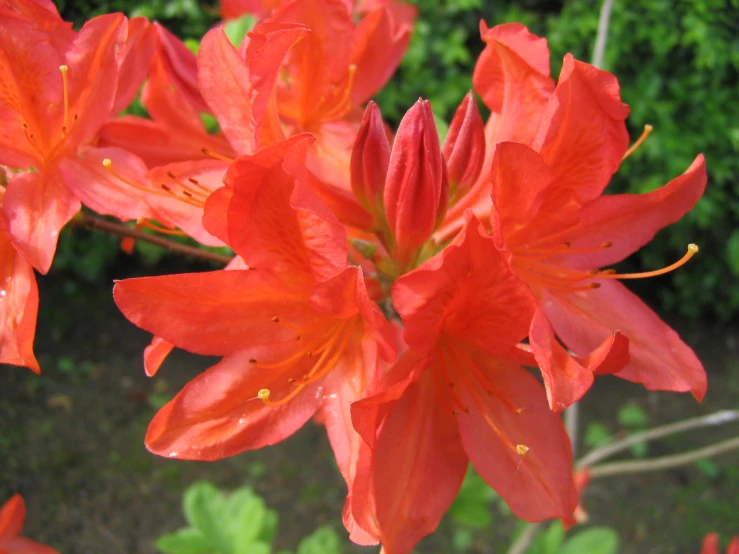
71 442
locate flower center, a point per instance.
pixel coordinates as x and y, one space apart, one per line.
190 192
454 373
320 354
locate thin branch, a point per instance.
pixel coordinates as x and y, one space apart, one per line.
524 539
88 221
664 462
599 50
572 425
606 450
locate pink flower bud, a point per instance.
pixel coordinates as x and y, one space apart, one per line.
416 192
370 159
464 147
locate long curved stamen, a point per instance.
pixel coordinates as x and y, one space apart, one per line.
216 155
633 148
692 251
65 84
191 192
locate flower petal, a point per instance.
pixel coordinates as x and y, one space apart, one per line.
238 90
512 76
276 222
100 191
537 485
18 306
629 221
583 133
469 291
20 545
214 313
417 466
38 205
660 360
12 516
155 354
567 378
93 75
218 413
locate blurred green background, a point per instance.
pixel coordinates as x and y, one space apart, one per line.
678 65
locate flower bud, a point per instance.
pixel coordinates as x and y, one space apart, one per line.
464 147
370 159
416 192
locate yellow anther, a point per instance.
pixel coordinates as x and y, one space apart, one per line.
647 130
521 449
263 395
107 163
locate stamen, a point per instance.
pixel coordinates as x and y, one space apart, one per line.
692 251
65 85
281 323
216 155
187 191
343 104
197 184
521 449
647 131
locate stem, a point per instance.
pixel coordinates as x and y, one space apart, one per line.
664 462
599 50
88 221
571 424
524 539
606 450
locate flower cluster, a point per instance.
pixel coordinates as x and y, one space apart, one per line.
398 288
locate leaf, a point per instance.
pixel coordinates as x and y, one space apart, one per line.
595 540
633 416
253 548
205 509
732 251
553 538
596 434
322 541
184 541
472 505
236 29
248 517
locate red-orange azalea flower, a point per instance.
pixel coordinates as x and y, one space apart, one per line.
12 516
18 301
297 330
568 141
58 89
459 395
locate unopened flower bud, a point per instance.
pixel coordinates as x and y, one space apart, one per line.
416 192
370 159
464 147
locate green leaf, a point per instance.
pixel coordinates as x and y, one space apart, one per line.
322 541
206 509
236 29
596 434
553 538
269 527
247 523
631 415
184 541
732 249
595 540
253 548
472 504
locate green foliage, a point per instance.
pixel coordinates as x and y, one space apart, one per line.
592 540
471 507
238 523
